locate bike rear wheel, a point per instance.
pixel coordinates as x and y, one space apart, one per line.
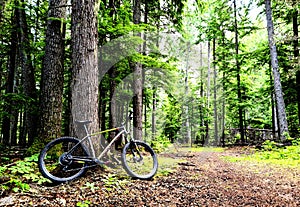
61 160
139 160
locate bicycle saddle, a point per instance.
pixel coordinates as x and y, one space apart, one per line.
83 122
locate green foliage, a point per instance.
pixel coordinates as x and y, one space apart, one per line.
173 121
91 186
167 165
18 185
203 149
84 204
17 175
35 147
274 153
269 145
279 151
113 181
296 142
160 144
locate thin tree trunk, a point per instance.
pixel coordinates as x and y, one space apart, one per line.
6 123
283 125
223 92
208 94
112 103
102 106
296 54
144 72
154 88
273 100
223 114
202 104
112 83
186 107
217 142
138 81
153 129
240 110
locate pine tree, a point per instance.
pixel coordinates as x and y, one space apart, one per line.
277 83
53 73
85 74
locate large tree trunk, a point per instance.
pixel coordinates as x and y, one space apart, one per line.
283 125
85 74
138 81
53 74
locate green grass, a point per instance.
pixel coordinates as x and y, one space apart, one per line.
271 154
175 148
167 165
202 149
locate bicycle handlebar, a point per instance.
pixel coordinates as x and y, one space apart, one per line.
130 115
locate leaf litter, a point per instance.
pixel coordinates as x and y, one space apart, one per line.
201 179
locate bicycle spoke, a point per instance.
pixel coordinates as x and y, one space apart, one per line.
58 164
139 160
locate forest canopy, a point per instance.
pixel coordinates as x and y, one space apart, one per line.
196 72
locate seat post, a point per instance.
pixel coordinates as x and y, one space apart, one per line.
86 129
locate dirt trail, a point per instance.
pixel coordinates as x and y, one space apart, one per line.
203 179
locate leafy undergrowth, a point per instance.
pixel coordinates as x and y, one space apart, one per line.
16 176
272 153
186 177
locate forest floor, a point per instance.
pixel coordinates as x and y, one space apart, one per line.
200 179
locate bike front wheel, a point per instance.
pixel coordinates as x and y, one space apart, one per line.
139 160
63 159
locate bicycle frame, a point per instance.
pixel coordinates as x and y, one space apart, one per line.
88 137
60 157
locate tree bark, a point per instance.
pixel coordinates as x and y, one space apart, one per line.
217 141
28 75
138 81
201 137
6 123
53 73
85 74
186 107
296 54
153 114
112 103
283 125
208 94
238 77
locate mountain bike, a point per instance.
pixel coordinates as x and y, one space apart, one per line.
67 158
